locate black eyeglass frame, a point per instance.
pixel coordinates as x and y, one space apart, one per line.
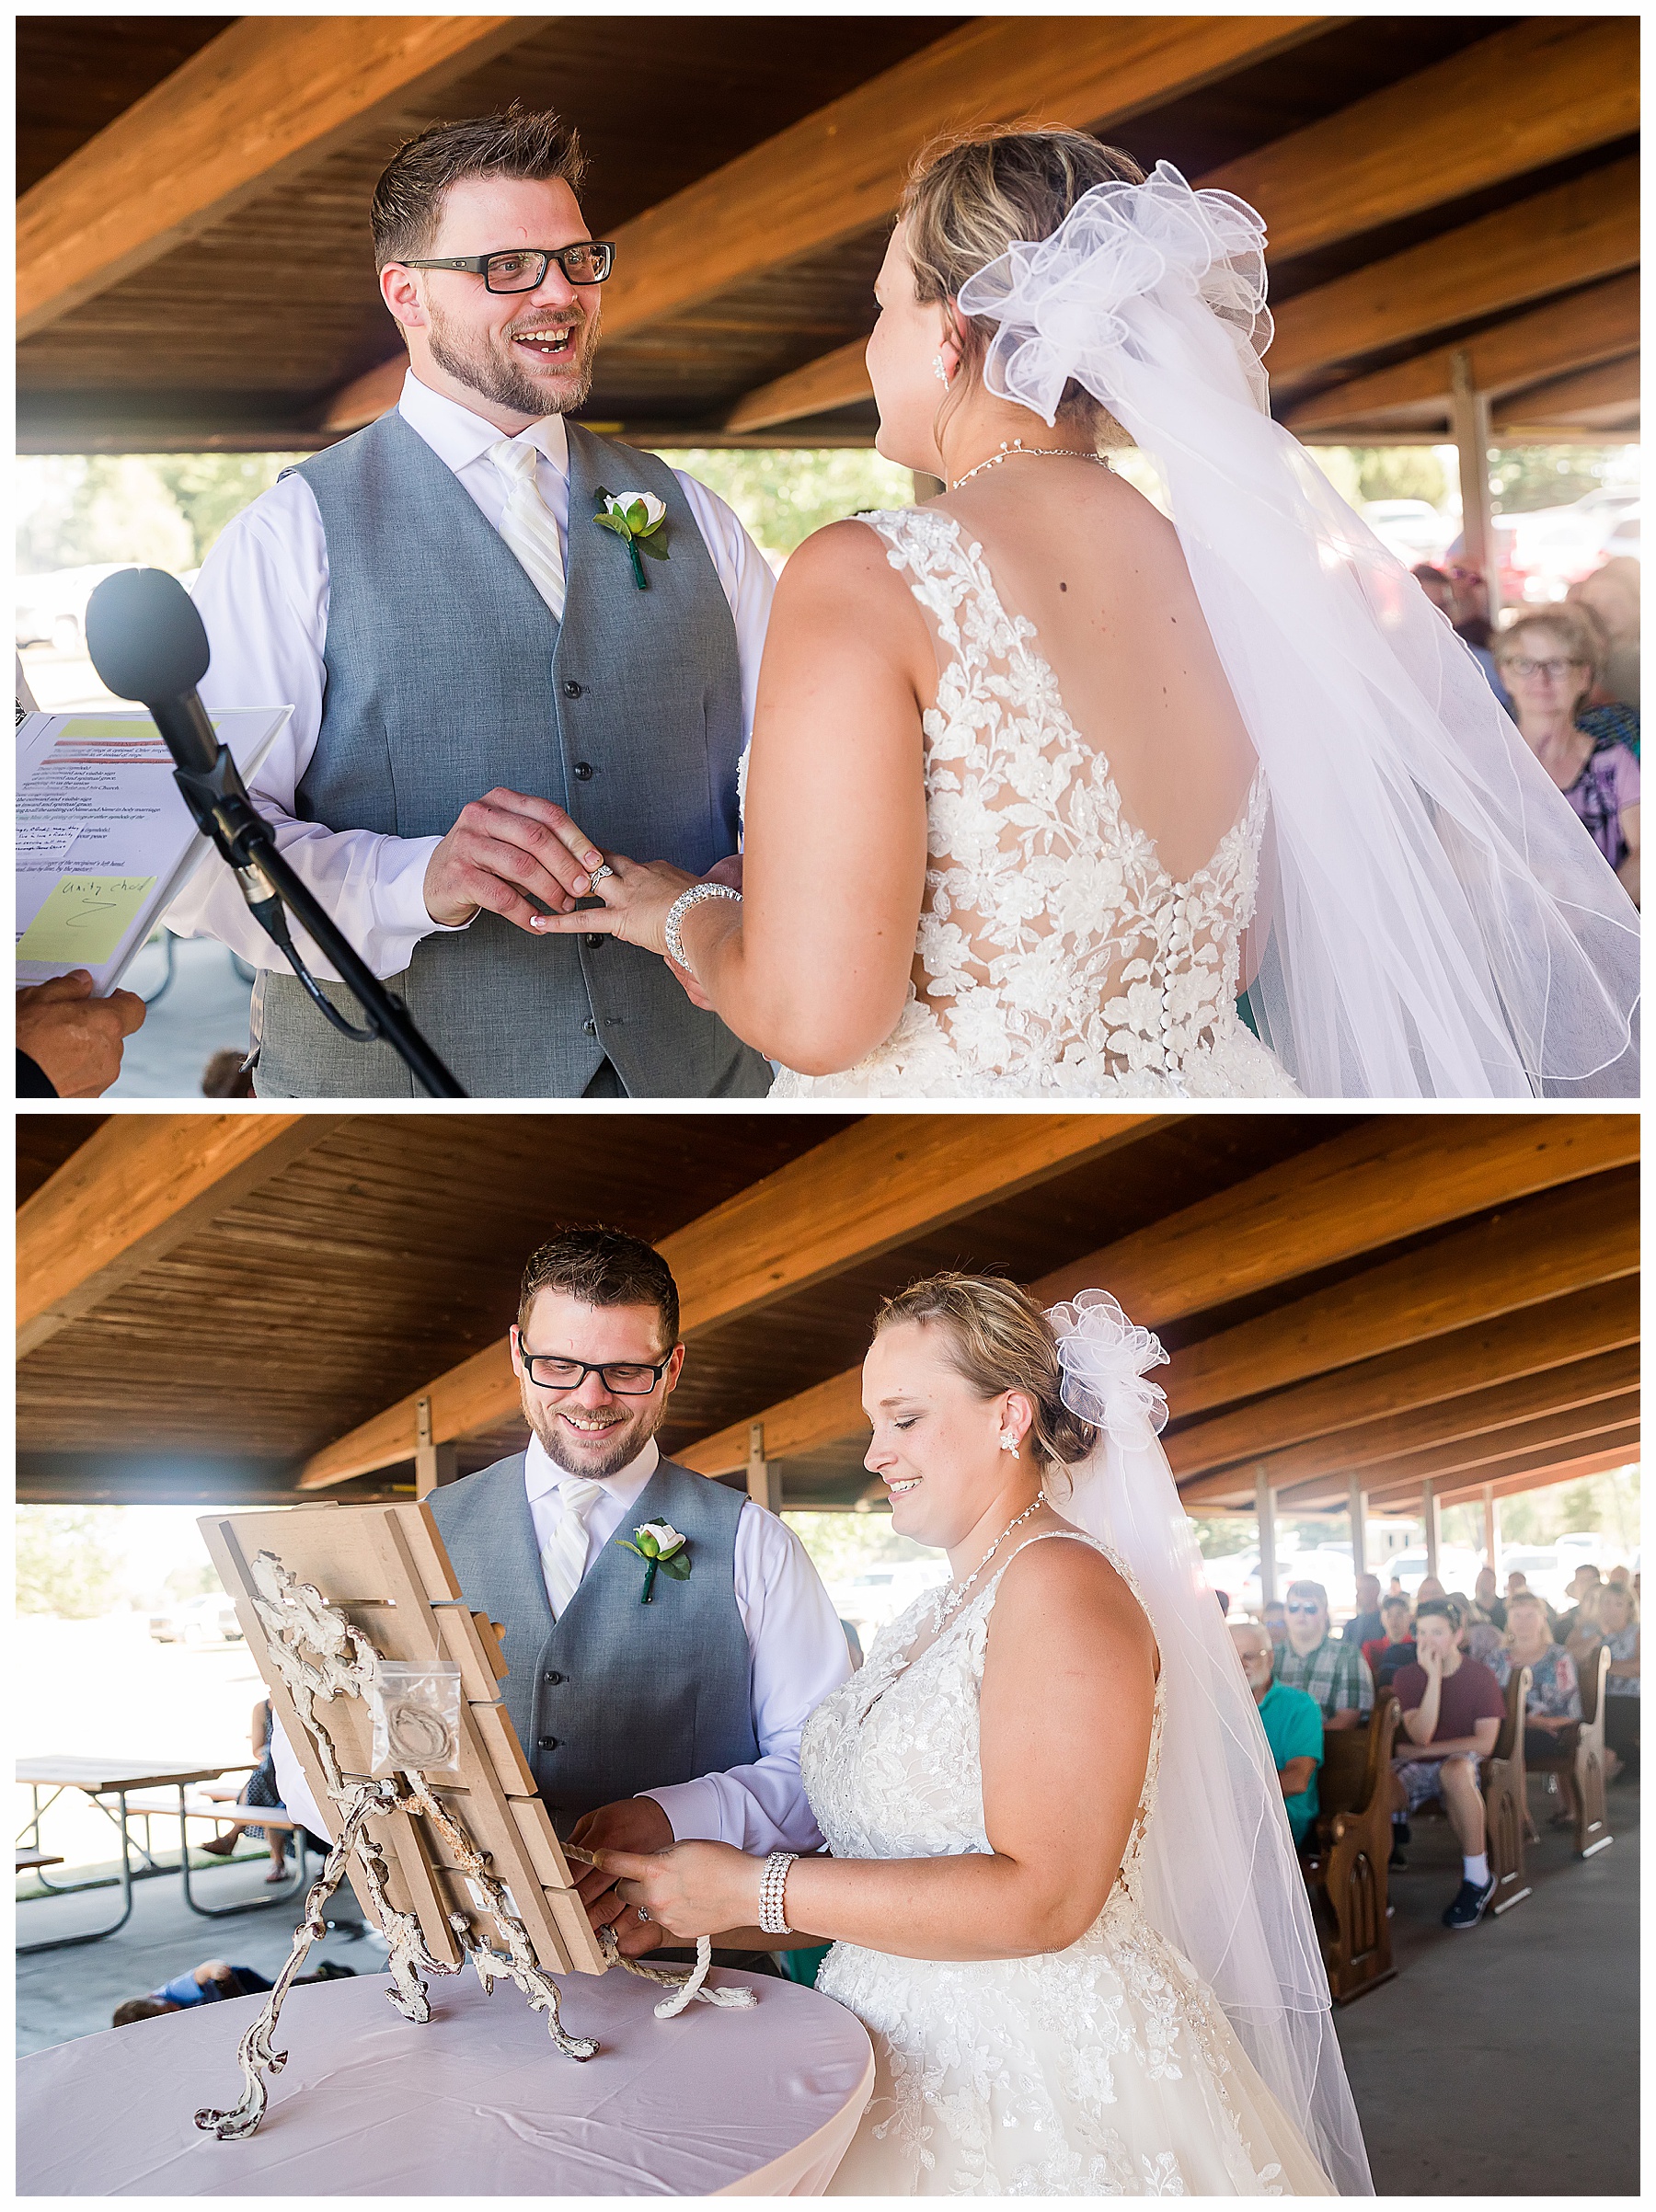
476 265
596 1367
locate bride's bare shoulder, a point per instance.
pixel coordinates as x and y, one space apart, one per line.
1065 1570
840 580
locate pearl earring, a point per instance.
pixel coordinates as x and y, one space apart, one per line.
939 371
1010 1442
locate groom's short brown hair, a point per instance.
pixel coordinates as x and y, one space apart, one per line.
407 212
602 1267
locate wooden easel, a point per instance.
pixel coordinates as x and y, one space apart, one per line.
450 1865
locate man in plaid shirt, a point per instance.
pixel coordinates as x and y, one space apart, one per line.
1335 1674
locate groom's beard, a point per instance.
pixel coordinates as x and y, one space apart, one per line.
599 1456
487 363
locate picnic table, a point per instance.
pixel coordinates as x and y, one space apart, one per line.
98 1779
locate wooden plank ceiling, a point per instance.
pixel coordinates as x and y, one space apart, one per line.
207 1318
1428 182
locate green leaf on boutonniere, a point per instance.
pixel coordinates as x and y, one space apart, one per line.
640 520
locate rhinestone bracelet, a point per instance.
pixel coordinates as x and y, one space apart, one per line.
773 1886
680 906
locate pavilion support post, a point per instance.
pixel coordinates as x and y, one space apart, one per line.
1470 416
1429 1513
1492 1506
1267 1519
1358 1516
763 1476
434 1464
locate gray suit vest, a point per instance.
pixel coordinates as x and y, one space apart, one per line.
614 1697
446 674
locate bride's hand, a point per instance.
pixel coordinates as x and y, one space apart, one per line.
690 1889
637 896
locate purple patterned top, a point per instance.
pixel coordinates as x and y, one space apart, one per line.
1608 783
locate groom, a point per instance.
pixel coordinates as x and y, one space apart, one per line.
643 1724
484 699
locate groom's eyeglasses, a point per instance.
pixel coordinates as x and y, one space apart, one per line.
588 263
622 1379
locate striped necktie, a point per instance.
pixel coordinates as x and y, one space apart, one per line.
527 525
564 1560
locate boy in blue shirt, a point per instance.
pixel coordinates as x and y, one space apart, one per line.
1293 1724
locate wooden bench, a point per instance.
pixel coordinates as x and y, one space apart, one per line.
28 1859
222 1811
1505 1796
1345 1868
1585 1764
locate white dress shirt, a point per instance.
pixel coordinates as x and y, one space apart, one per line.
262 595
797 1654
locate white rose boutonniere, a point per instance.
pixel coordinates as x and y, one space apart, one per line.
640 520
663 1550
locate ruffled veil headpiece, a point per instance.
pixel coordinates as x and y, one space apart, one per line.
1439 924
1219 1877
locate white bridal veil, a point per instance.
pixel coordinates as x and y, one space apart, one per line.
1440 924
1221 1880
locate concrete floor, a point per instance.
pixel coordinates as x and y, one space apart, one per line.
62 1994
1504 2062
203 1010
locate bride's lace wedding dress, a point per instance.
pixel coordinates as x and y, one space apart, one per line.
1108 2069
1056 956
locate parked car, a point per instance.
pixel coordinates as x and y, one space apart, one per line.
1412 529
51 609
868 1600
1457 1568
1622 542
199 1621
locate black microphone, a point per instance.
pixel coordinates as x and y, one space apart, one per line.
147 641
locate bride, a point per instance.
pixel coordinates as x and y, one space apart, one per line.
1063 1895
1041 781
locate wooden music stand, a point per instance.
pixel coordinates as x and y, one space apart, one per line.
449 1864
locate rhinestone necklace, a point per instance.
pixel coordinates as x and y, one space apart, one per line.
1045 453
946 1603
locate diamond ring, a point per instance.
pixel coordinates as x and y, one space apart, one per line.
599 873
643 1915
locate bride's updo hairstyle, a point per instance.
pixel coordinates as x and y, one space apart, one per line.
969 198
998 1339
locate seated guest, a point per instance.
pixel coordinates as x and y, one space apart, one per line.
1452 1708
1429 1586
1579 1630
1466 1614
1276 1623
1485 1590
1482 1641
1333 1674
1622 1575
211 1983
1293 1725
1549 663
1365 1623
1552 1711
260 1789
1618 1624
1394 1648
1610 598
1585 1578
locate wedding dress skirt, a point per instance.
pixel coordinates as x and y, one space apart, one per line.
1106 2070
1056 956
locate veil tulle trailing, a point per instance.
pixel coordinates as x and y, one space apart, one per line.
1220 1878
1439 924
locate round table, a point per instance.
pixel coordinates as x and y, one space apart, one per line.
477 2102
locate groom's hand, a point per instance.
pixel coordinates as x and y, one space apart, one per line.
505 852
631 1824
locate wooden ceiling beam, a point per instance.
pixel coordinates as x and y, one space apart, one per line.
886 1179
1390 1178
840 170
1324 1467
269 96
1554 242
1552 1471
1613 384
1214 1459
1565 335
1541 1248
138 1187
1511 103
1612 1424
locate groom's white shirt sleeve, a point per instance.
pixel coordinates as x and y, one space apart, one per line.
262 595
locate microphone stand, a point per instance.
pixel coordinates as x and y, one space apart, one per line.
218 799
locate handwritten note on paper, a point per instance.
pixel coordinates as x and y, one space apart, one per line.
84 918
41 843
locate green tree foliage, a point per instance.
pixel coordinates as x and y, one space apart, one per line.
843 1545
781 497
164 509
1524 477
62 1565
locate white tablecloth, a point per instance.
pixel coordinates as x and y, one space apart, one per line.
476 2102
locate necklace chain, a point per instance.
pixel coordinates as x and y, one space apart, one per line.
1042 453
948 1602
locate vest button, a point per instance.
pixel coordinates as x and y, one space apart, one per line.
553 1679
571 688
595 939
548 1743
583 772
591 1028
